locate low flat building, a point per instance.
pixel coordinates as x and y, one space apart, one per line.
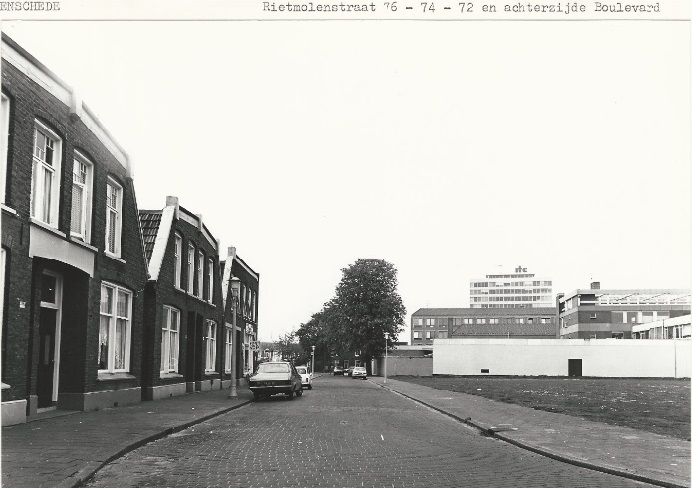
428 324
675 328
597 313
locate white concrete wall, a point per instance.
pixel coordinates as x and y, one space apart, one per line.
549 357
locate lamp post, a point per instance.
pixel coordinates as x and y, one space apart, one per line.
313 361
386 338
235 292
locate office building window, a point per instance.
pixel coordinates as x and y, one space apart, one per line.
417 321
45 176
113 217
429 322
210 277
114 334
82 172
480 321
416 335
493 321
170 340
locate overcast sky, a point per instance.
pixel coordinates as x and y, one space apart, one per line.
445 148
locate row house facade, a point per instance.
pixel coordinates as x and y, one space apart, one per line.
97 310
72 256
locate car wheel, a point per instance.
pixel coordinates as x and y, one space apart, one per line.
256 395
365 377
299 392
290 395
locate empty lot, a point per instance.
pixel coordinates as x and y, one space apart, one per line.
661 406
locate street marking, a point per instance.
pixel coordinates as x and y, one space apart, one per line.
382 436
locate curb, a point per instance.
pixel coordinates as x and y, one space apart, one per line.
85 474
543 452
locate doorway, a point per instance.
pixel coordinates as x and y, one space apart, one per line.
574 367
47 374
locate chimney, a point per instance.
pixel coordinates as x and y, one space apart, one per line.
231 252
200 225
173 202
595 285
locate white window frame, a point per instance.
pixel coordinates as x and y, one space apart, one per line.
87 189
200 274
114 212
113 318
170 340
178 261
37 184
210 346
229 348
4 144
416 334
190 268
210 276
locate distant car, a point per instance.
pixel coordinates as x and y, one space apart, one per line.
349 371
276 377
359 372
338 370
305 376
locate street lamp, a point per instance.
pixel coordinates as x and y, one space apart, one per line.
386 338
313 361
235 292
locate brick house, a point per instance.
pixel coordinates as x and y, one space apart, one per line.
182 302
72 256
247 347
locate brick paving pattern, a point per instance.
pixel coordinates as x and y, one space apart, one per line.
344 433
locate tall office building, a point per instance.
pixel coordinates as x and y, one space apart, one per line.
518 289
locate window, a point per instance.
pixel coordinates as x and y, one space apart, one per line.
170 340
455 321
229 349
200 274
480 321
416 335
45 176
210 343
210 277
493 321
529 320
618 335
417 321
82 172
546 320
190 268
430 322
468 321
428 334
4 144
114 333
114 197
178 261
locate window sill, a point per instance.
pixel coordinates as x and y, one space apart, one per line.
165 376
115 376
114 257
7 209
46 227
79 242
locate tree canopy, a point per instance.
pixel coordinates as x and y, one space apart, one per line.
366 305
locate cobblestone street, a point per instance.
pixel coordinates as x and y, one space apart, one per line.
343 433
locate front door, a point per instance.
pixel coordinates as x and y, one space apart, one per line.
49 340
46 360
574 367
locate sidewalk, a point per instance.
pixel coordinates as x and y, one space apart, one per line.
635 454
64 450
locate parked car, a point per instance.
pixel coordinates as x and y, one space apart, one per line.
338 370
305 376
359 372
349 371
276 377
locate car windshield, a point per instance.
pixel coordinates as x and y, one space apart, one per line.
359 369
273 368
302 370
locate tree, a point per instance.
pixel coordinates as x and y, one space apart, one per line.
289 349
366 306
